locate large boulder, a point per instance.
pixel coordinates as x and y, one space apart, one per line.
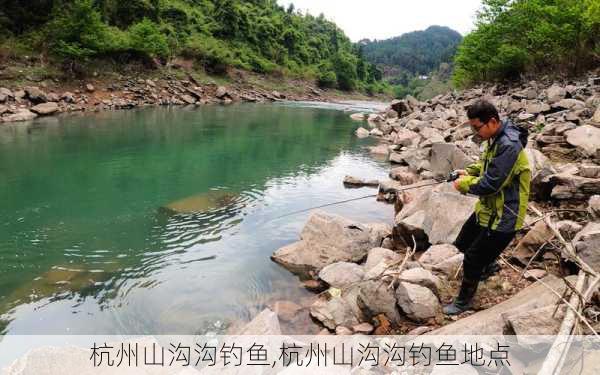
342 274
36 95
406 138
362 133
447 157
45 109
435 218
539 235
418 302
328 239
341 309
221 92
587 245
555 93
374 298
586 138
570 187
378 255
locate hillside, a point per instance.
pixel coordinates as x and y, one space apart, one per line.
252 35
414 53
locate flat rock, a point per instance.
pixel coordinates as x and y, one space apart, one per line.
357 182
20 115
342 274
538 321
586 138
490 321
328 239
363 328
418 302
45 109
357 116
404 175
380 149
535 274
594 207
570 187
539 235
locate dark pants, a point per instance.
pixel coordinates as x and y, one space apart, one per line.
481 246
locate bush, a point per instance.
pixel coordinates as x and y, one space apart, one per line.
214 56
327 79
345 70
145 37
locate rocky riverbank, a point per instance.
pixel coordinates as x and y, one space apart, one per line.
24 103
381 279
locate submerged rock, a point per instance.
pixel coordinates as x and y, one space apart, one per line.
265 323
362 133
201 202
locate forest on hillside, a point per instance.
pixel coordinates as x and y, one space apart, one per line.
255 35
528 37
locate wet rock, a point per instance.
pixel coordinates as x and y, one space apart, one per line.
20 115
328 239
418 302
594 207
586 138
357 182
422 277
357 116
362 133
447 157
45 109
200 203
315 286
265 323
35 95
587 243
286 310
342 274
435 218
382 150
376 298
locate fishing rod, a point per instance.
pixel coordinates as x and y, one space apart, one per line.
360 198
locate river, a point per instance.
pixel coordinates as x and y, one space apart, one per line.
162 220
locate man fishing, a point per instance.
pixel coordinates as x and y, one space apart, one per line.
501 180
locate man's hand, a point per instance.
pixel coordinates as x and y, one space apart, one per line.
455 184
461 172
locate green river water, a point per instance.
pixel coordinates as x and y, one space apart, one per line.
160 220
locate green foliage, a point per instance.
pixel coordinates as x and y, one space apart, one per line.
145 37
257 35
327 79
528 36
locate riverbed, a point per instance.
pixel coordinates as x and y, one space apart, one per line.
162 220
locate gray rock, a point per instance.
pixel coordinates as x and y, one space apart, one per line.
537 108
572 104
596 117
569 187
45 109
328 239
188 99
555 93
376 133
357 182
447 157
586 138
362 133
435 218
418 302
265 323
343 331
363 328
3 109
589 171
286 310
378 255
90 88
568 229
20 115
342 274
357 116
442 258
540 321
406 138
338 311
587 243
531 242
35 95
5 94
541 169
422 277
594 207
221 92
374 298
404 175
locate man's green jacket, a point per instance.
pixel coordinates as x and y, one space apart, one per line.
501 179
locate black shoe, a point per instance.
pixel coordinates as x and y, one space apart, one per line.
464 300
490 270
